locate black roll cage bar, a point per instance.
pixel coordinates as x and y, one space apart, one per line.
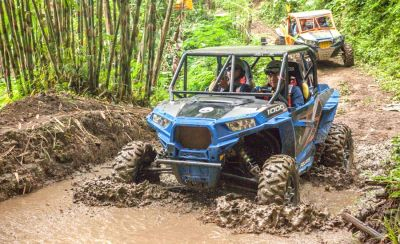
283 76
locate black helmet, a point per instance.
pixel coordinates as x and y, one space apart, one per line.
238 64
273 67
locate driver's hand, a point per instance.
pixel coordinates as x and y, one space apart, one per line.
224 82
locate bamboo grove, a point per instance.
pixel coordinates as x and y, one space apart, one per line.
98 47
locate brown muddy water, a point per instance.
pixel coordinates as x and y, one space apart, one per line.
49 215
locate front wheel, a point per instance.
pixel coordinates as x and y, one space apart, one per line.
348 55
279 181
132 161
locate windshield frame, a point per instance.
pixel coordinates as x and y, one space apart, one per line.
283 77
316 24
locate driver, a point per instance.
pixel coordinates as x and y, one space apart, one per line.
239 84
272 72
322 22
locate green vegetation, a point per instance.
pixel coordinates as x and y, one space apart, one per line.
207 31
392 181
107 48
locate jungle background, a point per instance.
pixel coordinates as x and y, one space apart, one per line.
127 50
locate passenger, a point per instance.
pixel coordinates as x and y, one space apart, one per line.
239 84
322 22
293 27
272 72
306 24
303 25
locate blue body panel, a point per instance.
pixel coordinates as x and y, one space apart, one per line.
223 139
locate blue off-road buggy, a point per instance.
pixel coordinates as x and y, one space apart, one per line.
252 140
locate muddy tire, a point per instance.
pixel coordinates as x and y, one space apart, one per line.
338 148
279 181
348 55
132 160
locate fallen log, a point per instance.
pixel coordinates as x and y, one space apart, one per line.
362 226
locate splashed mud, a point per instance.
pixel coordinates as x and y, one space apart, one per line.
245 216
234 211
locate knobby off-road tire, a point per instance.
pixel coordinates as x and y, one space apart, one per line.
338 148
279 181
348 55
132 160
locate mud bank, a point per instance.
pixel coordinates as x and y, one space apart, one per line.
48 137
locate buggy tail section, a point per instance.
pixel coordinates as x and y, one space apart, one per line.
329 99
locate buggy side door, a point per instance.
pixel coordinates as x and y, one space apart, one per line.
306 118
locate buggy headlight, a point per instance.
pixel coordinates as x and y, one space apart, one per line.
337 39
163 122
311 43
241 124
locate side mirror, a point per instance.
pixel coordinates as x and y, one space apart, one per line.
264 41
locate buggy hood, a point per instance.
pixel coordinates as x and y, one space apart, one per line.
213 107
320 35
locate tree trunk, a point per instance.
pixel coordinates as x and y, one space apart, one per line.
164 32
107 11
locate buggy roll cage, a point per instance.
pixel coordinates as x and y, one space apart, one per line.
231 58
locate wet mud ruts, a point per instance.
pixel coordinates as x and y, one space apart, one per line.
229 210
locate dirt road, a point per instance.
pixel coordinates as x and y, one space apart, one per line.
50 215
362 105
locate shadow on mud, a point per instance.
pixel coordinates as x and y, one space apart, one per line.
326 64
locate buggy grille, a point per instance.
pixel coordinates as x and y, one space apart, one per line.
193 137
325 44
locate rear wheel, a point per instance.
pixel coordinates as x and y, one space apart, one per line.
339 148
132 161
348 55
279 181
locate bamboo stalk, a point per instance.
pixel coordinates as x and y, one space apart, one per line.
150 47
112 53
46 39
100 35
124 81
362 226
164 32
109 24
7 45
5 67
17 46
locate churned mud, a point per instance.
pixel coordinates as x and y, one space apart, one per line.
246 216
234 211
48 137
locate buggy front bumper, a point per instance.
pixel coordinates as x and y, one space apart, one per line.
188 163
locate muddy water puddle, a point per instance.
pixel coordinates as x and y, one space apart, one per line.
49 215
334 201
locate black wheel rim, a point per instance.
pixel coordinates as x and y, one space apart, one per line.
290 194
